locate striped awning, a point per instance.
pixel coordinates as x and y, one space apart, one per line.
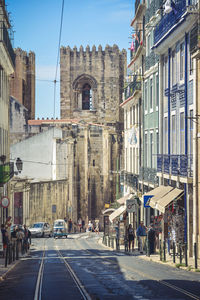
168 198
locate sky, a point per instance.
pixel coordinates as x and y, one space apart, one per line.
36 25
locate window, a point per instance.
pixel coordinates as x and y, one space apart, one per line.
145 149
131 163
173 67
131 115
145 94
191 132
181 60
157 90
157 142
151 94
182 133
86 97
165 135
166 74
151 150
174 134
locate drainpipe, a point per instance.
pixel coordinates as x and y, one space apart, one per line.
195 156
169 112
186 138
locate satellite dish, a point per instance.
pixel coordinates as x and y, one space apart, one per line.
168 7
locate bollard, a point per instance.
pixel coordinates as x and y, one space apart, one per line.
174 253
186 258
180 253
17 250
148 246
6 257
9 253
195 256
112 243
164 251
108 241
160 251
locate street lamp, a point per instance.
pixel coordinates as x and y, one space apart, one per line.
19 164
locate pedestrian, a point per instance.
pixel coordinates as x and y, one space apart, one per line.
70 225
79 224
151 239
141 235
131 238
5 239
20 237
97 228
83 225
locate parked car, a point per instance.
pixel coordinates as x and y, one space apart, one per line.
40 229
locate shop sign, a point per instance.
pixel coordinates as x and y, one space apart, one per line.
146 200
131 205
5 202
107 205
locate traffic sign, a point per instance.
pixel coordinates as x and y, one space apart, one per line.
131 205
5 202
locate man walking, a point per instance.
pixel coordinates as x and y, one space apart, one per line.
141 234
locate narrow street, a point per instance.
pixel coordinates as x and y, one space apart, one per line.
79 267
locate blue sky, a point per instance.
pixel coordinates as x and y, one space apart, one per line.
85 22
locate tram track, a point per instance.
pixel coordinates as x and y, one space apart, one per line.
38 289
147 276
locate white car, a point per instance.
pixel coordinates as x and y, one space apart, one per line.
40 229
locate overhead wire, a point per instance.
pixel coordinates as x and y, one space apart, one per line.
58 56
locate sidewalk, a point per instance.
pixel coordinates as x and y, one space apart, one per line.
156 258
3 270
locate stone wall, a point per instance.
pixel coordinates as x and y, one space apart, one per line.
43 195
22 82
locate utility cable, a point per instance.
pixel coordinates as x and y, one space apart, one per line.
58 55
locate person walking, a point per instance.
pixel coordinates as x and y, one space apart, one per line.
131 238
5 238
141 235
70 225
151 239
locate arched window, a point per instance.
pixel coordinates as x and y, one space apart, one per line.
86 97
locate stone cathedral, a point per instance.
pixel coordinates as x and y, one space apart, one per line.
91 88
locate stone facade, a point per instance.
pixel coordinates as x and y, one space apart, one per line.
91 92
104 72
22 82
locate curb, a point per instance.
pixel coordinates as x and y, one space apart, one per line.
2 277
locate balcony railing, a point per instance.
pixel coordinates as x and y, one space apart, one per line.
151 60
148 175
129 179
169 20
6 172
177 165
133 86
5 38
195 38
151 11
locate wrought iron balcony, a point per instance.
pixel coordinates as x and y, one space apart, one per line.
6 172
130 179
148 175
133 86
169 20
151 11
177 165
5 39
195 38
151 60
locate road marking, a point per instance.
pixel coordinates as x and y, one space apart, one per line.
38 289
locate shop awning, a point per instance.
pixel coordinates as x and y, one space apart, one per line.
167 199
108 211
164 190
154 191
117 213
124 198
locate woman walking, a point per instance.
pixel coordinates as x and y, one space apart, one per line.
131 237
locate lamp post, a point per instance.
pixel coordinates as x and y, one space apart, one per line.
19 164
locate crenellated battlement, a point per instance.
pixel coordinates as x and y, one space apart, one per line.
75 52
